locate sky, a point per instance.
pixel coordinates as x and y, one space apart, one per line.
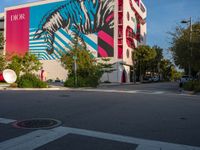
162 17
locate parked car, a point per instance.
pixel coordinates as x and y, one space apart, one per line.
154 79
184 79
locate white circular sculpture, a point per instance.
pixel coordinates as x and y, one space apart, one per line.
9 76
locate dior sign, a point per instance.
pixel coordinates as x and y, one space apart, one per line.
17 17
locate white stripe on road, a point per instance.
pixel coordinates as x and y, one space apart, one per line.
122 91
131 92
34 139
158 92
142 147
6 121
39 138
126 139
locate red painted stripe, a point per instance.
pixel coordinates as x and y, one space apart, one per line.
102 52
106 38
1 77
111 16
120 52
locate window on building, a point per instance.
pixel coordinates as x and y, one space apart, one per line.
127 53
128 16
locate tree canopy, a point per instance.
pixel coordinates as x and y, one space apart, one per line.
1 41
185 49
151 62
142 55
88 71
2 62
26 64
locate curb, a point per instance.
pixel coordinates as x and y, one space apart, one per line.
30 89
188 92
118 84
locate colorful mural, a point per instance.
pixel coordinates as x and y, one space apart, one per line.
50 28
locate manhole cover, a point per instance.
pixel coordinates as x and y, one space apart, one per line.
183 118
39 123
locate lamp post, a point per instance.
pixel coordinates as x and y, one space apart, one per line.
75 70
190 45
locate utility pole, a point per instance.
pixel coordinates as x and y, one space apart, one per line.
75 70
190 43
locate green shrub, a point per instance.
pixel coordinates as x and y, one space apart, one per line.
30 81
87 78
69 82
192 86
189 86
26 64
2 62
81 82
87 82
197 88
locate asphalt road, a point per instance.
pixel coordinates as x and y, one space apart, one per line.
107 118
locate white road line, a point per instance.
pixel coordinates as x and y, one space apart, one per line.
131 140
34 139
141 147
131 92
158 92
39 138
6 121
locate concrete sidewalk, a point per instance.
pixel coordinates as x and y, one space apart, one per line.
118 84
5 86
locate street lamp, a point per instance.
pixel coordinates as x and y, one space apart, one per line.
190 25
75 70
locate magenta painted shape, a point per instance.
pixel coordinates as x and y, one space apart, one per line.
111 16
105 37
17 31
102 52
120 52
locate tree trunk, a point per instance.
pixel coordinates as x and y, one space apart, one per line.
108 77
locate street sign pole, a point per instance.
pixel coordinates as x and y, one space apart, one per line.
75 70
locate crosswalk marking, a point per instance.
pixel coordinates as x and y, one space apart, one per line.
149 92
34 139
142 147
131 140
122 91
39 138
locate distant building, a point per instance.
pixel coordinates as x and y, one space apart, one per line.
1 22
111 28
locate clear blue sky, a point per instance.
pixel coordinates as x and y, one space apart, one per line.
163 16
